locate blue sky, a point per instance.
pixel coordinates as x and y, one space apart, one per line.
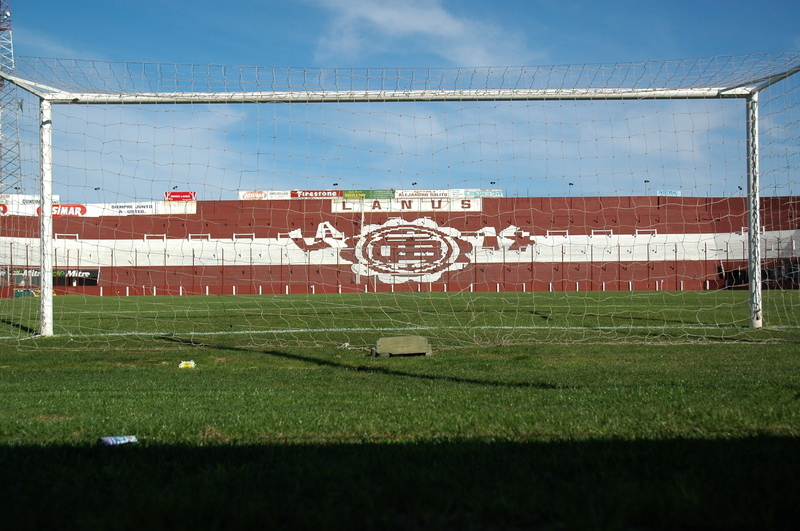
398 33
605 148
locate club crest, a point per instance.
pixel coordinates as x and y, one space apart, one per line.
408 251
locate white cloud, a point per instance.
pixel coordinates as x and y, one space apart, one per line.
364 28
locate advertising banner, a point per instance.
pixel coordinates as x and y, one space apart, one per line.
316 194
483 193
66 210
369 194
402 194
61 277
127 209
95 210
261 195
180 196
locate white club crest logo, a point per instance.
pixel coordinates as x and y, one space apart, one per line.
409 251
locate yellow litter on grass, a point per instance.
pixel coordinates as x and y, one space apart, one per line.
187 364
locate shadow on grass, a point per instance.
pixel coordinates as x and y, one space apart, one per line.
19 326
405 374
709 484
322 362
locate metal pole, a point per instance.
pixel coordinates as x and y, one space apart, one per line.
46 221
753 214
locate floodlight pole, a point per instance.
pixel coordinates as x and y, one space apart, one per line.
753 214
46 220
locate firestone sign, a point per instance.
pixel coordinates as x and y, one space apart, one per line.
316 194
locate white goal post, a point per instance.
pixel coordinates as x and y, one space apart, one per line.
744 81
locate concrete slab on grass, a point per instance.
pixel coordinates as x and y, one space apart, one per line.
402 346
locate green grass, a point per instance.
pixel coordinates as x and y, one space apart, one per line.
580 411
247 394
449 319
575 436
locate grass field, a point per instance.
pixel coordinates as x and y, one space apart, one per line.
658 425
449 319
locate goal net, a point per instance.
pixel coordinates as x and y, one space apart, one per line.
653 201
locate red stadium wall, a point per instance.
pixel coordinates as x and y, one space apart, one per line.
505 232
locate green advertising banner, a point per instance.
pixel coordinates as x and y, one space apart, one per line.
369 194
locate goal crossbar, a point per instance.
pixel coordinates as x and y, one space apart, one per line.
731 88
359 96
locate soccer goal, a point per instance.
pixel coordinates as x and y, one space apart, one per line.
652 200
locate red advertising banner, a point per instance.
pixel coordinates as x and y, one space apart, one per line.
180 196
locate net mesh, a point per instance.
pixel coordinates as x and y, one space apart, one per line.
473 220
